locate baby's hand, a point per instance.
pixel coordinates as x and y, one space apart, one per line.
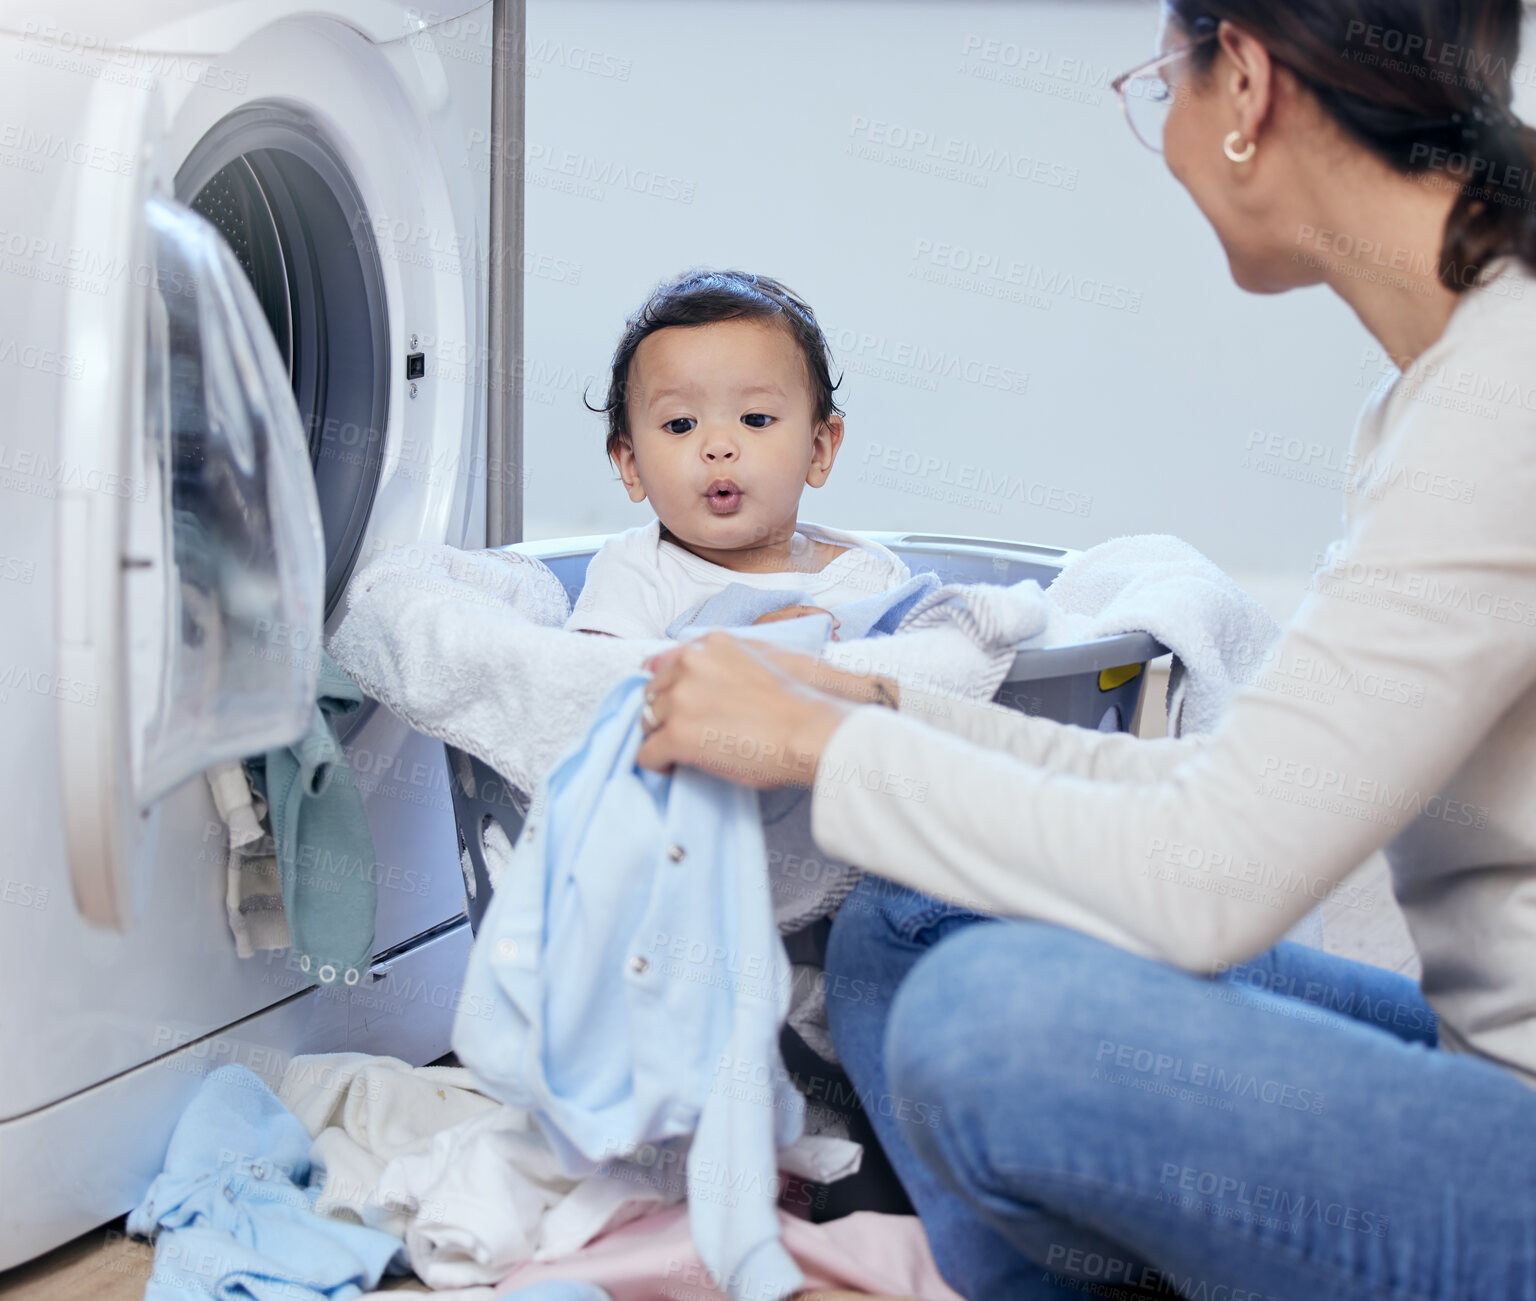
795 612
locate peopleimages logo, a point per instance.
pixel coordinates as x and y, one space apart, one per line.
31 471
1429 596
973 162
958 265
1326 783
1027 59
1213 1077
986 483
1294 1205
63 48
1426 375
1371 476
867 353
46 145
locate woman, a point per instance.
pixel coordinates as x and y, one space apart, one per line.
1093 1091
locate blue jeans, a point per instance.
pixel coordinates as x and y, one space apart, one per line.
1070 1119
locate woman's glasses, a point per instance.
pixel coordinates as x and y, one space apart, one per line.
1147 95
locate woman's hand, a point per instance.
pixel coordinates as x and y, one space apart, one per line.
731 709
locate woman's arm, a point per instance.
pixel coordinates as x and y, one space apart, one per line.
1062 747
1409 649
1108 756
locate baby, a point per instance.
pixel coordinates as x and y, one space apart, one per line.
720 412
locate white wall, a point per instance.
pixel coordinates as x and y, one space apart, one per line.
753 121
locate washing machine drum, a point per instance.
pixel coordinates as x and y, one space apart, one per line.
279 193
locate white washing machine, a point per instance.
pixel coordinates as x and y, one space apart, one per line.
341 148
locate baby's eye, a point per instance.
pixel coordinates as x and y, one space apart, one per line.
682 425
757 420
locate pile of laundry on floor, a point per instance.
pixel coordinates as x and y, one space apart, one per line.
363 1166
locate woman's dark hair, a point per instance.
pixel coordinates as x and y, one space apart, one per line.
1426 85
703 298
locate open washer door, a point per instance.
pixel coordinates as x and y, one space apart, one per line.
193 598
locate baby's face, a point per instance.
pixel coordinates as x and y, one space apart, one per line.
723 436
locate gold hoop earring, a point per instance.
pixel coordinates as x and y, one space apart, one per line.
1229 147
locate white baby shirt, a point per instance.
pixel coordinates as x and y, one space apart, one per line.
638 584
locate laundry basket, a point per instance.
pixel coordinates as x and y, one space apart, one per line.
1095 684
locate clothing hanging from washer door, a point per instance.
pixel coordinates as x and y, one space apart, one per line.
324 849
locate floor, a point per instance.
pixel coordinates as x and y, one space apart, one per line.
106 1265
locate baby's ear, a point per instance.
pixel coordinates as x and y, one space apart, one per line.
623 457
828 439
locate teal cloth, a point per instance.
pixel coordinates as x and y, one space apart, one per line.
324 848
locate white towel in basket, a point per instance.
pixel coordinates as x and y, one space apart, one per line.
466 646
960 640
1156 583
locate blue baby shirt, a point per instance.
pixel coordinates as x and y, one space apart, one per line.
232 1210
638 983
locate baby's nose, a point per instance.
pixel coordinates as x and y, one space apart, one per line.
720 452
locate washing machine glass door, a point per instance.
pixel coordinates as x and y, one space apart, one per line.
225 644
223 558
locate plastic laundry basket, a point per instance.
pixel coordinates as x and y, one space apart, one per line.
1095 684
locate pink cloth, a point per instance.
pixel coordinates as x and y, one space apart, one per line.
653 1259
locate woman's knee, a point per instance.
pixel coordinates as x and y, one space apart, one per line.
993 1009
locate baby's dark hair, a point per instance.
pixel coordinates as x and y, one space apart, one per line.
701 298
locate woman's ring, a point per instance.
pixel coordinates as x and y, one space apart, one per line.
648 719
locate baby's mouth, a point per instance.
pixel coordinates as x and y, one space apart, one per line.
724 497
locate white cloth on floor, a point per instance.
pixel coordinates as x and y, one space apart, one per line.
467 1182
821 1158
362 1111
387 1105
253 886
488 1195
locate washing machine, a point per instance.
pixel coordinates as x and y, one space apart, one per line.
245 290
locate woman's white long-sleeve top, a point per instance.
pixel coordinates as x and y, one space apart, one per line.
1398 710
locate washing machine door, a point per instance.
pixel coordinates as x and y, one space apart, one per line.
193 594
